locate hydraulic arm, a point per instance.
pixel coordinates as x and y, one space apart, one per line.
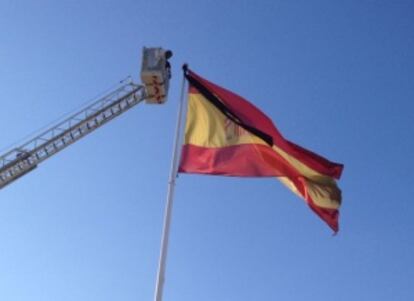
26 157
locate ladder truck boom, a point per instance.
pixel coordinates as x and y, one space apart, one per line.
25 158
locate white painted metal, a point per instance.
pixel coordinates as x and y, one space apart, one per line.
159 286
155 75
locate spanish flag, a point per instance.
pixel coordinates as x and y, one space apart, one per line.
227 135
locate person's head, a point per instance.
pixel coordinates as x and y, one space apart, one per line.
168 54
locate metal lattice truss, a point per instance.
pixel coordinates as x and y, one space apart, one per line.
26 157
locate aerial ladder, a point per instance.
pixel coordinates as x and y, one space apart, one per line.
155 76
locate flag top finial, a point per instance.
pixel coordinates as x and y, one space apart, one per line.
185 68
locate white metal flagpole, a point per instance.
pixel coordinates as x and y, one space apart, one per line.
169 204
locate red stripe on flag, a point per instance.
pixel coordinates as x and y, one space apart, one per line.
250 160
242 160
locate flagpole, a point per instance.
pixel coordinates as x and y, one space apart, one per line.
169 203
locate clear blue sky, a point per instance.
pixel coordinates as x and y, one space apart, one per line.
336 77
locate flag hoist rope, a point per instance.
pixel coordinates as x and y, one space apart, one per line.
170 194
